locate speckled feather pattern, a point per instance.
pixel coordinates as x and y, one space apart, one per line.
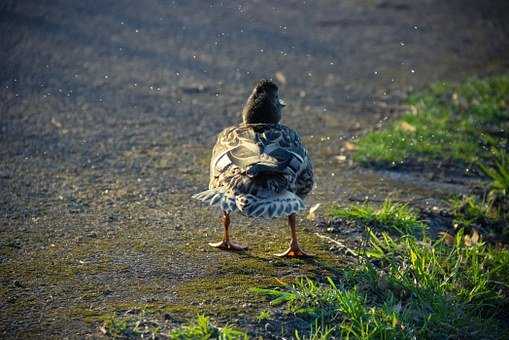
261 170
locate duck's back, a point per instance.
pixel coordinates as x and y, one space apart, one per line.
261 170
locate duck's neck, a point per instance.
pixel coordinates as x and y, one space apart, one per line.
261 116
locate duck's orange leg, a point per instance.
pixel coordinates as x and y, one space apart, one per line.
294 250
226 244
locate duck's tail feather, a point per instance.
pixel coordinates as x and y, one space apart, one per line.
219 198
283 204
278 205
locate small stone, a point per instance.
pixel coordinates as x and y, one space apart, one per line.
280 77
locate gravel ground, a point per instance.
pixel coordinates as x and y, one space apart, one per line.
108 111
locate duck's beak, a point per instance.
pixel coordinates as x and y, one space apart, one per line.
282 102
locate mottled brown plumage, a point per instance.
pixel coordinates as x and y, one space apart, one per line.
262 165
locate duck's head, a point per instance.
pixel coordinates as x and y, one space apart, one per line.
263 105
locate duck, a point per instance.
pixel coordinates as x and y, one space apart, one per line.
260 168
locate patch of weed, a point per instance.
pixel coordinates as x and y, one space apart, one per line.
409 288
344 310
143 324
469 210
445 122
391 216
117 327
317 331
202 328
498 174
263 315
490 211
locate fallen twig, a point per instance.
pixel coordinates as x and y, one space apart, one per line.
338 243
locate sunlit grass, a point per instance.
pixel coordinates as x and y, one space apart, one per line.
202 328
492 208
445 122
391 216
264 315
330 303
408 288
318 331
145 325
117 327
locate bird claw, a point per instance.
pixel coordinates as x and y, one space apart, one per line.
228 245
294 251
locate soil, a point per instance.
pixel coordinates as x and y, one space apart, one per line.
109 109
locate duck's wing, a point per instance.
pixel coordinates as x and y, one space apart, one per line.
263 171
234 150
238 150
222 172
262 150
304 178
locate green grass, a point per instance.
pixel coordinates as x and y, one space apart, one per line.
498 190
498 175
446 122
470 210
201 328
317 331
391 216
145 325
264 315
346 307
408 288
492 209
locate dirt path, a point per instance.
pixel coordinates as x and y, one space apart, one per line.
108 111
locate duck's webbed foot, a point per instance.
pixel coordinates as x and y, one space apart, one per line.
228 245
294 251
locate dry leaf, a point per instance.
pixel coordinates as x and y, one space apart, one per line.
350 146
471 239
340 158
407 127
311 215
448 238
281 282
